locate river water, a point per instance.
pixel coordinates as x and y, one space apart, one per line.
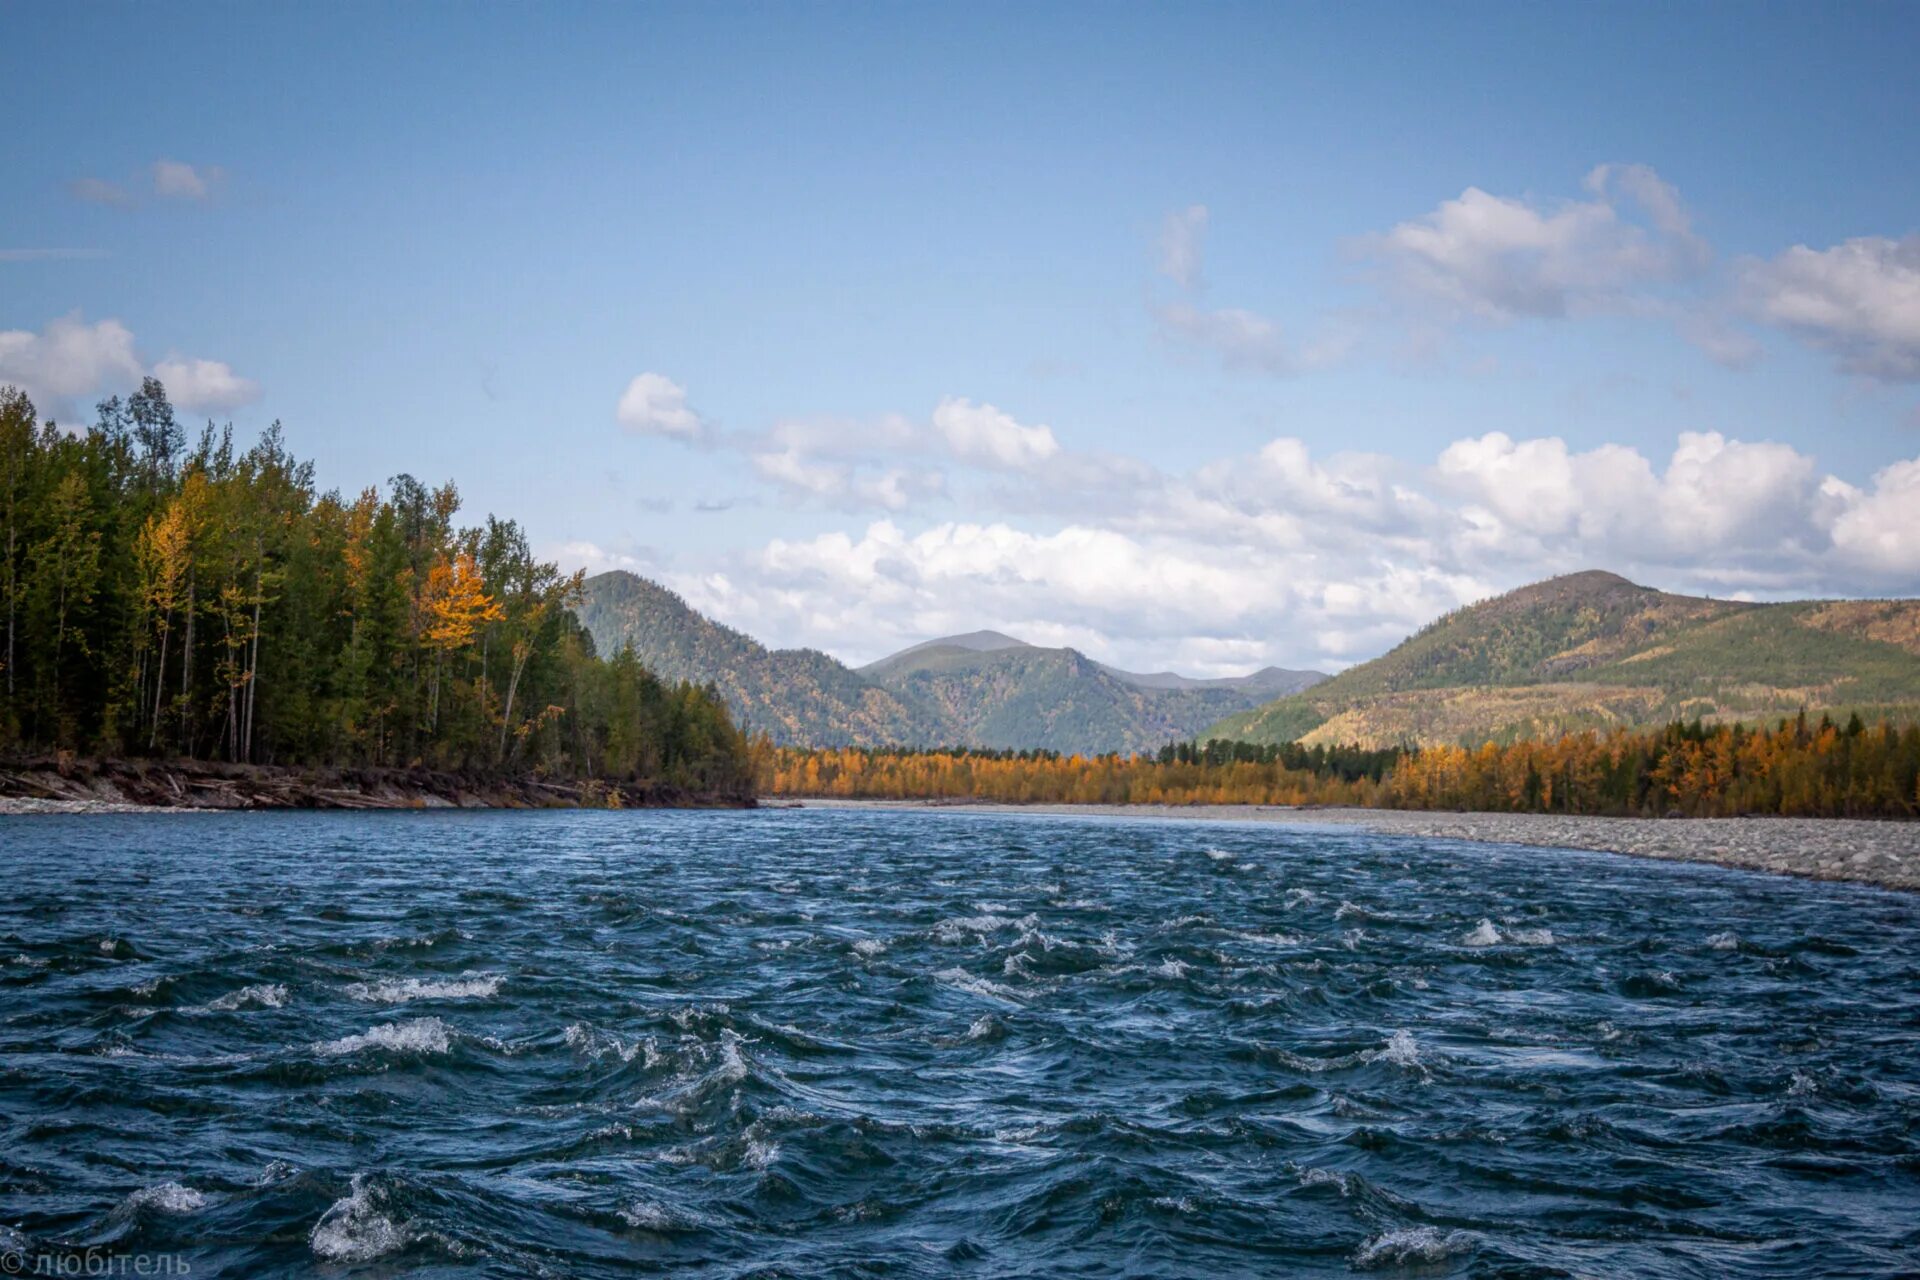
824 1043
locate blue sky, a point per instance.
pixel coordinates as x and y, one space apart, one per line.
1419 345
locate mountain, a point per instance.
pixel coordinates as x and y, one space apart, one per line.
796 695
1020 695
1593 650
982 689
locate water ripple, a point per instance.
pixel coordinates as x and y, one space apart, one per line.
837 1043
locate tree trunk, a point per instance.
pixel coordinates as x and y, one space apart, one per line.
186 678
506 717
159 686
253 669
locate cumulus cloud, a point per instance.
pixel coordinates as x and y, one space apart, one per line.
69 359
1500 258
1879 529
205 385
69 362
1859 299
177 180
980 433
1286 556
655 405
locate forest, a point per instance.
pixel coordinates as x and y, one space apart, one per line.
185 598
1796 768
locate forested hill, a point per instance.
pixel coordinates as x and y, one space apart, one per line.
982 689
1021 695
1593 650
161 597
793 695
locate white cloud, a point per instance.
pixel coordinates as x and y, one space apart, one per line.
840 484
1182 238
69 359
1245 340
982 434
69 362
1859 299
98 191
205 385
581 554
1498 258
655 405
177 180
1880 529
1285 557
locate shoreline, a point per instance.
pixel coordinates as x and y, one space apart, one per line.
1877 852
48 785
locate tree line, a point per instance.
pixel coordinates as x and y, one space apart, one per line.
162 596
1797 768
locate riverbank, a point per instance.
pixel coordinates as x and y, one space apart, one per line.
50 785
1870 852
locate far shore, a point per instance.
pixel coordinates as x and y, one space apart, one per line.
1870 852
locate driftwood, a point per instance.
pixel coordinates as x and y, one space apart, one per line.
204 784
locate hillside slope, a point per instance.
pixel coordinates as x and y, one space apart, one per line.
983 689
1060 699
1594 650
798 696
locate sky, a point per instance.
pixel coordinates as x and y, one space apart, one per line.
1196 337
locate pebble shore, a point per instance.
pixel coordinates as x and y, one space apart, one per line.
1878 853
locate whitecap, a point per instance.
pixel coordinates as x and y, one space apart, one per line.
648 1216
1313 1176
957 929
354 1229
168 1197
1724 941
869 947
985 1027
417 1035
468 986
1411 1245
960 978
1172 968
1531 937
1218 855
266 995
1401 1050
1484 936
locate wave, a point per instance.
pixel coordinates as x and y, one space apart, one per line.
263 995
975 985
1412 1246
167 1197
355 1228
1488 935
468 986
418 1035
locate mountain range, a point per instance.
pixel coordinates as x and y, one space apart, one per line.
983 689
1588 650
1593 650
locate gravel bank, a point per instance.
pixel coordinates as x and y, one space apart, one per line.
1881 853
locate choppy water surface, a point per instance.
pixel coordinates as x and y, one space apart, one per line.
831 1043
